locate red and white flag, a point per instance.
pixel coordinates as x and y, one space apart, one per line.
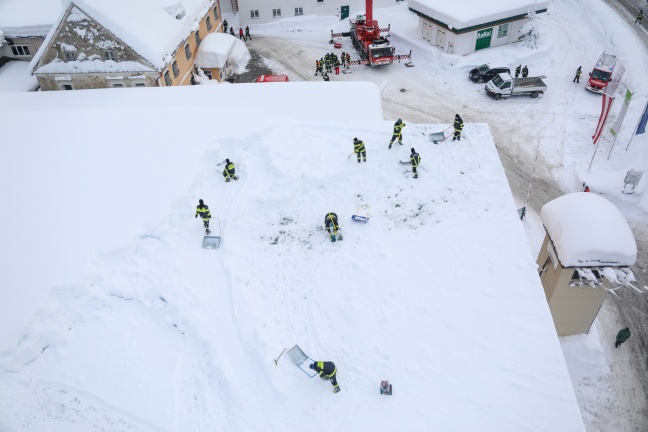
605 110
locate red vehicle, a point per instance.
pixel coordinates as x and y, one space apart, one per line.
374 49
271 78
601 76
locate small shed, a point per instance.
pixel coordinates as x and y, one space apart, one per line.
218 52
475 24
587 250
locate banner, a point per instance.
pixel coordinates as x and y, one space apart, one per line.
605 110
641 127
617 124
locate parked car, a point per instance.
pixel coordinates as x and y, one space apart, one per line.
485 73
504 85
271 78
601 76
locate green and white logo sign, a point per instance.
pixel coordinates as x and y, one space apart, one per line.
483 38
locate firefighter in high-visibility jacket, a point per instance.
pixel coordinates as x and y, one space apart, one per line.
415 159
398 132
327 371
318 67
229 172
359 149
458 127
203 211
331 223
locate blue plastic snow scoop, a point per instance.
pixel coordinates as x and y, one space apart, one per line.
301 360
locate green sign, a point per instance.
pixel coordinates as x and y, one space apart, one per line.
344 12
483 39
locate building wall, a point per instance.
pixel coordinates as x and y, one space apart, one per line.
87 38
309 7
98 80
186 66
31 43
573 308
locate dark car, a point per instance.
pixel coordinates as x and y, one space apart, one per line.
485 73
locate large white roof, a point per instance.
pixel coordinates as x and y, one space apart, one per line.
149 27
588 230
474 12
28 17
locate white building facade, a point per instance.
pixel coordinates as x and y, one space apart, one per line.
475 25
263 11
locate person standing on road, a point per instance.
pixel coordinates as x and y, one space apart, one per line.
458 127
525 72
639 17
318 67
225 26
247 33
241 34
348 60
622 336
517 71
578 74
232 31
230 171
337 67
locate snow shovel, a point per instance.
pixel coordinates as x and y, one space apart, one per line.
300 359
212 241
437 137
362 213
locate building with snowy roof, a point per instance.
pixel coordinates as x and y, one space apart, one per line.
474 25
25 24
261 11
587 250
121 43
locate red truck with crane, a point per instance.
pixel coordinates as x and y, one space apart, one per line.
374 49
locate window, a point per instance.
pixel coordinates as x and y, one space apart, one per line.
140 85
502 31
208 74
254 13
67 86
118 85
70 56
208 22
299 11
276 13
187 51
167 78
320 1
176 71
20 50
216 13
197 35
109 55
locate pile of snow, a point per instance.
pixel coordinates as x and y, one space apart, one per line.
588 230
15 77
216 49
437 292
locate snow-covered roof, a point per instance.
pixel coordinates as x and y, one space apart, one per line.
92 66
474 12
588 230
153 28
28 17
215 49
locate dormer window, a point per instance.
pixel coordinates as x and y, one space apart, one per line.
70 56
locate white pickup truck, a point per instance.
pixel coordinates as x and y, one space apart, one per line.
504 85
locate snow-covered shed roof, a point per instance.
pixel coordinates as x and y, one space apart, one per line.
588 230
474 12
215 49
153 28
28 17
